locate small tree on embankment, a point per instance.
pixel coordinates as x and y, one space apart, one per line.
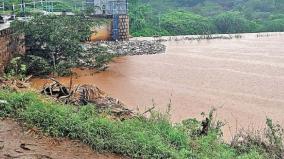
53 42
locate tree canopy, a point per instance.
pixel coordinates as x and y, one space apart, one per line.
55 41
174 17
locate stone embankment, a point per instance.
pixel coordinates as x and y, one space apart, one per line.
10 44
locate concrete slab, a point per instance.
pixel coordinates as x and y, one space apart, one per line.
6 24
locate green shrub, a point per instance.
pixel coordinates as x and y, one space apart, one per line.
55 39
275 25
186 23
37 65
16 68
231 22
16 102
268 142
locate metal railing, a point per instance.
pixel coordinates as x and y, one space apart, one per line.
117 7
108 7
47 6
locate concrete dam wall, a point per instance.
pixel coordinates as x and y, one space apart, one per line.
118 29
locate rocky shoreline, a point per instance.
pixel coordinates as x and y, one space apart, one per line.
129 48
98 54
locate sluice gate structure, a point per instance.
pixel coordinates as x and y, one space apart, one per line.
115 9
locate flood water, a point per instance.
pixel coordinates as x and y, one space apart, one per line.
243 78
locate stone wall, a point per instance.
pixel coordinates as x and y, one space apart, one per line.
123 25
10 45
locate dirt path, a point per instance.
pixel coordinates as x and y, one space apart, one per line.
18 143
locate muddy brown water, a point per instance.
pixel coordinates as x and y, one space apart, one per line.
243 78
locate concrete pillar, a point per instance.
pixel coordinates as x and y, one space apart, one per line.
123 26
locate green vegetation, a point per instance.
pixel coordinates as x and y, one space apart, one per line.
186 17
16 69
182 22
55 42
232 22
137 137
55 45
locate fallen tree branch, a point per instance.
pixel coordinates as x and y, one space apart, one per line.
84 94
149 110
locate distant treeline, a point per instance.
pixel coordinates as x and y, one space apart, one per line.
185 17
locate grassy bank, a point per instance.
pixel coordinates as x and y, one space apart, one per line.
154 137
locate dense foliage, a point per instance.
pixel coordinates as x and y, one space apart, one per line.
182 22
175 17
138 137
180 17
54 43
54 40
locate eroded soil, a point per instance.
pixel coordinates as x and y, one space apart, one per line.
17 142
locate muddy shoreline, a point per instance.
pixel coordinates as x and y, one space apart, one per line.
19 142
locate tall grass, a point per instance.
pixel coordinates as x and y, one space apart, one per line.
139 137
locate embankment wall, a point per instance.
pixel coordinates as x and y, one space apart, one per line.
10 45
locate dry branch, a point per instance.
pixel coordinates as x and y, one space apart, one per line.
83 95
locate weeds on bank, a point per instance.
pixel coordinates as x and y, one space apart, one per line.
268 141
139 137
